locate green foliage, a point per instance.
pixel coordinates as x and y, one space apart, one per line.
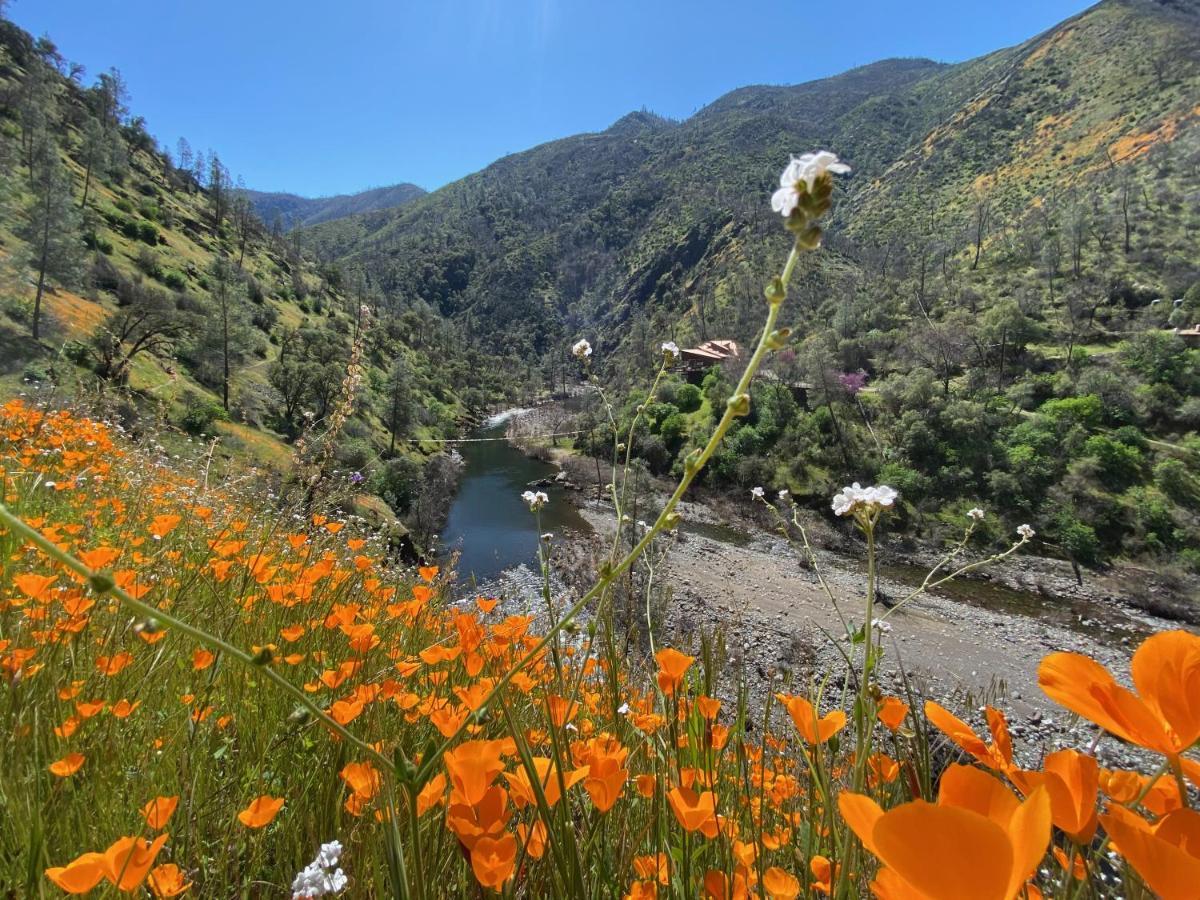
200 415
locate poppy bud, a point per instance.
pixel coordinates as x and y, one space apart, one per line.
101 583
263 657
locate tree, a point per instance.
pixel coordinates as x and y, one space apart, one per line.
245 222
981 218
51 226
35 107
399 413
111 98
218 191
97 147
227 333
146 322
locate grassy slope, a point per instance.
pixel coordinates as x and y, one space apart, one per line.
186 246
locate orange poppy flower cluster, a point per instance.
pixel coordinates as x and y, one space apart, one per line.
544 774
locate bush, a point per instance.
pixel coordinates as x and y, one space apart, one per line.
1077 539
398 481
200 414
1119 464
147 233
688 398
176 281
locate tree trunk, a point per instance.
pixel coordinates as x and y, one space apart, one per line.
87 183
225 354
37 300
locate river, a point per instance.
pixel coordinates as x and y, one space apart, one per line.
489 523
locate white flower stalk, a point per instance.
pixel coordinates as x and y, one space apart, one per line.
975 514
1026 532
322 876
581 350
757 493
535 501
803 171
670 350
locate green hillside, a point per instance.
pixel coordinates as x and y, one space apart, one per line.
1014 247
164 294
293 211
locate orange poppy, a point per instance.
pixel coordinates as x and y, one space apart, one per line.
804 716
167 880
552 784
202 659
978 841
487 818
891 712
1166 854
127 862
780 885
694 811
672 665
472 766
80 875
68 765
159 811
997 755
605 780
1164 714
261 811
493 860
1072 779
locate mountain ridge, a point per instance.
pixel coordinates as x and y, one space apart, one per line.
296 211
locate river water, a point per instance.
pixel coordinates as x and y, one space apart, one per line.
489 523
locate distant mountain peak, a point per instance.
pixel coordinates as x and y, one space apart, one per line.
296 211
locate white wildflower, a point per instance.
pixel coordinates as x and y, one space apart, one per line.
535 501
582 349
850 500
670 349
975 513
803 170
881 626
785 495
322 876
623 709
1026 532
758 493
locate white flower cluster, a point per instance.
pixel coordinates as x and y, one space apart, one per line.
582 349
671 349
535 501
1026 532
975 514
804 170
321 876
851 499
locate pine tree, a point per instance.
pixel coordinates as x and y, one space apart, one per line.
51 227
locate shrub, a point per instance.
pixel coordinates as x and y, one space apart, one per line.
200 414
688 398
1119 464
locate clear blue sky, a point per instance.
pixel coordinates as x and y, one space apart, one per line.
333 97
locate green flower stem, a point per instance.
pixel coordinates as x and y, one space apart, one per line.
103 584
691 470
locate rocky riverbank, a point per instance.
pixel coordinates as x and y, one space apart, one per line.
977 640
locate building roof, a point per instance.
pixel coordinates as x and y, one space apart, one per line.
712 351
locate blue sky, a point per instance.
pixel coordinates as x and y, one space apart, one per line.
333 97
